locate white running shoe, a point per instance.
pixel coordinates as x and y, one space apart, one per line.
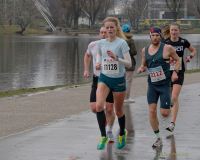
157 143
171 127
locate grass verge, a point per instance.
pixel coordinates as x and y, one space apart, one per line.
23 91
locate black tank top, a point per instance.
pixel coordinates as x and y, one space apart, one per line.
180 46
156 62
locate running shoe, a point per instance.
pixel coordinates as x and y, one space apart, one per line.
157 143
171 127
110 136
102 143
121 141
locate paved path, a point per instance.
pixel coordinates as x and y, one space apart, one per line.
75 137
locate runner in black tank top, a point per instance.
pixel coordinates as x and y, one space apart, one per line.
180 44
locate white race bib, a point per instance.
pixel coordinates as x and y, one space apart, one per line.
156 74
109 66
172 64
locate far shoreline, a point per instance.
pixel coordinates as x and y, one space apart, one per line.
26 91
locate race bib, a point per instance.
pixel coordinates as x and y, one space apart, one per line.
156 74
172 64
109 66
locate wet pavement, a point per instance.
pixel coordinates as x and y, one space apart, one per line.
76 137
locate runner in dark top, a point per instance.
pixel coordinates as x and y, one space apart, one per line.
180 44
155 58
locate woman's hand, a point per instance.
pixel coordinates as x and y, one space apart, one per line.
112 55
141 69
98 66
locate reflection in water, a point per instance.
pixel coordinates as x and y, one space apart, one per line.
108 153
39 61
172 155
158 154
122 154
129 120
168 156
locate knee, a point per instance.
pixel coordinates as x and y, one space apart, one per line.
99 107
165 113
93 107
152 112
119 113
94 110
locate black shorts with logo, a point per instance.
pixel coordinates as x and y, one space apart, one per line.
94 89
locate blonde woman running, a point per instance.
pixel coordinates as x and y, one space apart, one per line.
112 59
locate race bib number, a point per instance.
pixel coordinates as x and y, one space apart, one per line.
156 74
109 66
172 64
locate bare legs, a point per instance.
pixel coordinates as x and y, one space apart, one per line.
175 94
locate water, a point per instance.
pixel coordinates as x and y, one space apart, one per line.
39 61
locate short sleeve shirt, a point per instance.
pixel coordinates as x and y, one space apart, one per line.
119 47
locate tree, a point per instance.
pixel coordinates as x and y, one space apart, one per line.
106 5
25 12
135 11
76 5
197 4
92 8
174 6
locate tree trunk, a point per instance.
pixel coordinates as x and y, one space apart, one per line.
22 30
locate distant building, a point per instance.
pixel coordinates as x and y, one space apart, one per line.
157 9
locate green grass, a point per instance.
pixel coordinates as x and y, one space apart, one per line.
23 91
192 71
7 29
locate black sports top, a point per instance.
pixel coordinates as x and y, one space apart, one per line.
180 46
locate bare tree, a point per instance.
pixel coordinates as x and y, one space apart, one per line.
135 11
25 13
197 4
65 15
7 11
76 5
92 8
106 5
174 6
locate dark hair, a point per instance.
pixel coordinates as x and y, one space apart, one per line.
155 30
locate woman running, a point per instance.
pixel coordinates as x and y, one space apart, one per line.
179 44
112 59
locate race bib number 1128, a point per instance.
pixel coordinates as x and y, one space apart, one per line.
110 67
